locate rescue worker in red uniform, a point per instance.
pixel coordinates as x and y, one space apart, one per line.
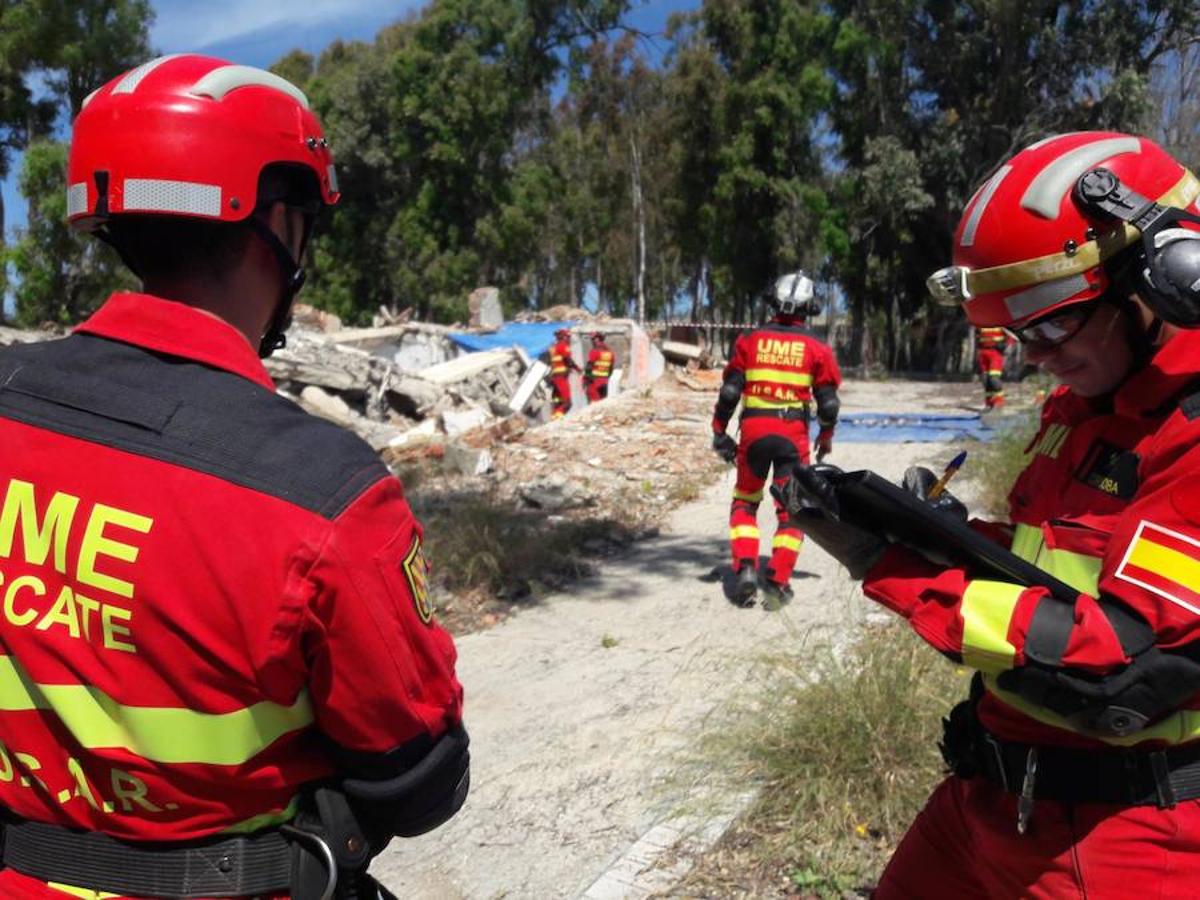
598 370
777 372
220 670
1076 760
562 364
990 344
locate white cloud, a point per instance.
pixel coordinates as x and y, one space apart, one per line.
187 25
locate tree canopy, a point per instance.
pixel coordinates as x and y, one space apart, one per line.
545 147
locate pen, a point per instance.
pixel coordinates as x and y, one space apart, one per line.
955 465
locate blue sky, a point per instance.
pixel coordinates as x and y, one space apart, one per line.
259 32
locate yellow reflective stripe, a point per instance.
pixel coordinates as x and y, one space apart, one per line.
266 820
82 893
1079 570
1166 562
160 734
1178 728
995 371
752 402
987 608
1027 542
756 497
786 540
743 531
779 376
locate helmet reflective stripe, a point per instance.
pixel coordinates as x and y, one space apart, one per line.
219 82
984 195
1032 301
159 195
1054 137
1045 193
332 172
77 199
133 78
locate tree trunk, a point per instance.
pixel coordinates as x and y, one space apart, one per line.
639 217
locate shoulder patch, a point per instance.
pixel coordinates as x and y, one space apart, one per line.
1110 469
416 570
1164 562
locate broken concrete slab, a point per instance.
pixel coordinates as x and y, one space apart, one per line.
484 308
456 421
467 460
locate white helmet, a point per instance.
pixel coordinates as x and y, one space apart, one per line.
794 295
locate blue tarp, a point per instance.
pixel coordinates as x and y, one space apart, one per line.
879 428
534 338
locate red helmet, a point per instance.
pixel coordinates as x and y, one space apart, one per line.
563 333
597 335
189 135
1025 247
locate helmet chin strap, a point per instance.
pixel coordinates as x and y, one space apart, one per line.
293 274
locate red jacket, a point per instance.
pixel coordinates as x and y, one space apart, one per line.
600 362
781 365
561 362
200 584
991 338
1109 502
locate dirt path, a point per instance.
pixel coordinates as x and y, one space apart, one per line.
584 710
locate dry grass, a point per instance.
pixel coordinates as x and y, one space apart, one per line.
1001 462
844 751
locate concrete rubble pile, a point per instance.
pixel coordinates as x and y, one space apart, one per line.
395 408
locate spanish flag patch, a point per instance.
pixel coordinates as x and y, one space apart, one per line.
416 570
1164 562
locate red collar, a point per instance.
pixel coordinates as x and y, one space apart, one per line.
177 329
1174 366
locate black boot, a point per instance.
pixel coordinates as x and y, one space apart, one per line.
776 596
747 585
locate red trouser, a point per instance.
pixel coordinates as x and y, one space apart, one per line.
766 443
560 386
964 845
991 367
597 389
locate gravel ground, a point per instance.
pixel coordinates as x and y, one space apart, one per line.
584 710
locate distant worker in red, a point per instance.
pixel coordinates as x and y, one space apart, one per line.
562 364
777 372
600 362
990 343
220 668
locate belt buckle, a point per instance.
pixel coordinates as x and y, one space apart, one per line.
326 854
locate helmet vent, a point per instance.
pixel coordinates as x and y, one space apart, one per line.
1045 194
219 82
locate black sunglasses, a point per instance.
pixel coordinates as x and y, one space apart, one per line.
1056 329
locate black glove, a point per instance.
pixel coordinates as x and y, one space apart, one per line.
919 480
725 447
810 498
1155 682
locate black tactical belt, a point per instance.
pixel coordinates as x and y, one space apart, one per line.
244 865
799 413
1123 777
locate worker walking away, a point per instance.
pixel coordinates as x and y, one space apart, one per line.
562 364
990 344
777 372
600 362
222 673
1076 759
